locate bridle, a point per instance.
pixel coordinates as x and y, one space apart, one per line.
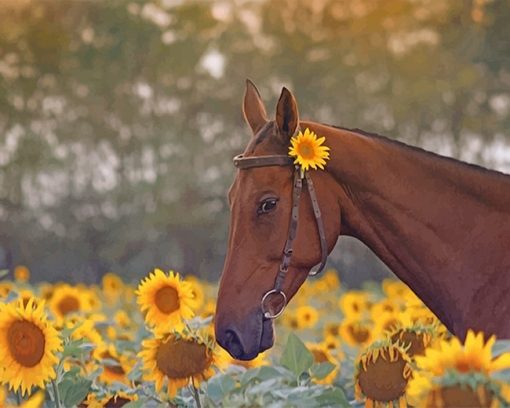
244 163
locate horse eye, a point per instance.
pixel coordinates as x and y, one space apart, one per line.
268 205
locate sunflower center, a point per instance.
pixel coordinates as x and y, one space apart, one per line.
167 299
306 151
415 340
68 305
179 358
360 334
383 380
458 396
319 356
26 342
114 369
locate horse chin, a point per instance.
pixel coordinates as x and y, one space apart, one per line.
267 338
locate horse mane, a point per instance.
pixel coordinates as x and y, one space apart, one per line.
432 155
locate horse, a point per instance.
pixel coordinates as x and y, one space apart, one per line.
441 225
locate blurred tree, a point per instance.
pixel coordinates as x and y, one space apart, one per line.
118 120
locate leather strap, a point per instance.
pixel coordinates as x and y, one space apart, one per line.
294 217
262 161
320 225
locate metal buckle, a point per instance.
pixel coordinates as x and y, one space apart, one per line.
267 314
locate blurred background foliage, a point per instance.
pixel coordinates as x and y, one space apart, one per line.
119 119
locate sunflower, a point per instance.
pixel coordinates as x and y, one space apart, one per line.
176 359
331 329
21 273
28 343
112 287
455 371
84 329
166 300
356 332
384 323
116 364
354 303
473 356
5 289
66 300
25 295
382 375
331 278
307 316
209 309
122 319
197 290
321 354
307 150
382 307
415 338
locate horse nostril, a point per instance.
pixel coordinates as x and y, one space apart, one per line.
233 343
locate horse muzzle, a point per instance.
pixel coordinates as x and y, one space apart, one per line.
245 338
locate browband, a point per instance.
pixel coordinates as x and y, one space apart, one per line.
242 162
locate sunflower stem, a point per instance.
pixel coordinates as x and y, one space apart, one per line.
196 395
56 394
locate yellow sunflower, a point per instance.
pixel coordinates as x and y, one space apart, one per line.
382 375
116 364
66 300
5 289
166 300
356 332
112 287
415 338
331 329
21 273
474 355
321 354
176 359
455 370
307 150
385 322
84 329
197 290
307 316
355 303
331 278
28 343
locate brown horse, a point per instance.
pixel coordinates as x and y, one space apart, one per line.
441 225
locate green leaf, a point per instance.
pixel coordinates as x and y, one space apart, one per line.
219 386
296 357
73 392
321 370
333 398
3 273
77 348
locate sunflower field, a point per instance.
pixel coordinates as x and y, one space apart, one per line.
151 344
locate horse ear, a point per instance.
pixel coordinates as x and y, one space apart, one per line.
253 108
287 115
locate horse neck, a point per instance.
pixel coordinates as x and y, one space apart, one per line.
440 225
